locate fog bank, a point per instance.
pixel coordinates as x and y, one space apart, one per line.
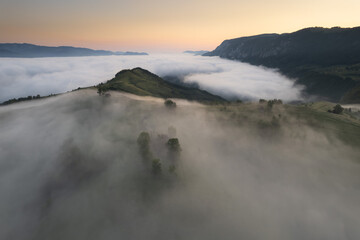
24 77
70 168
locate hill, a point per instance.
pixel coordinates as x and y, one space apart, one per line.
325 60
25 50
141 82
196 53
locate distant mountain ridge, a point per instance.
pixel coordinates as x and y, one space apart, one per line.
26 50
325 60
196 53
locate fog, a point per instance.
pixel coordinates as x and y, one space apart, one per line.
70 168
44 76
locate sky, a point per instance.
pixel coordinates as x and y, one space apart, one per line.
163 25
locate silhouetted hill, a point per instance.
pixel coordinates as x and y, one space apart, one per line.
30 50
325 60
196 53
141 82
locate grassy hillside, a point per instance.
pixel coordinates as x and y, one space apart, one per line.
336 83
283 118
352 96
141 82
344 126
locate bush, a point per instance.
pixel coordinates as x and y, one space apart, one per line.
170 104
262 100
174 145
338 109
101 89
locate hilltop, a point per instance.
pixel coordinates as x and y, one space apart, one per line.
141 82
325 60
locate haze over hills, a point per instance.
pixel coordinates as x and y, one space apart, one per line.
258 139
25 50
88 167
325 60
117 163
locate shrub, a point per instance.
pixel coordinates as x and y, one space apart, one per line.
170 104
101 89
262 100
338 109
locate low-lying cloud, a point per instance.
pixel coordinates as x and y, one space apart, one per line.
23 77
70 168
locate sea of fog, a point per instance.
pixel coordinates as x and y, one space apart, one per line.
71 168
20 77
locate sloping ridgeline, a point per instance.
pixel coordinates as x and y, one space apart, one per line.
141 82
325 60
25 50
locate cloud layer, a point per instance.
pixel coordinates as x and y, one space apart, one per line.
70 168
23 77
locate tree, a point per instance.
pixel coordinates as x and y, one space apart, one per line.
338 109
156 166
174 145
143 142
170 104
101 89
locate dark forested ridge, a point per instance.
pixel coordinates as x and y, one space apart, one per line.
325 60
32 51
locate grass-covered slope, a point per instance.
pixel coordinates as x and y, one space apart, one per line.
141 82
285 118
344 126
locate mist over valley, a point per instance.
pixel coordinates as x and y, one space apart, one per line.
81 166
197 120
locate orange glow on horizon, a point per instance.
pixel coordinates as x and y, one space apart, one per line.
164 25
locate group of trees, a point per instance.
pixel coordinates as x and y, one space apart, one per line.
14 100
338 109
173 148
271 103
